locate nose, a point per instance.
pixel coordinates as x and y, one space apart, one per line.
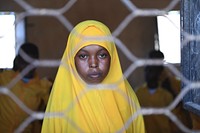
93 62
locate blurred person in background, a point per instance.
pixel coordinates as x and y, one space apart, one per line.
170 82
151 95
32 92
167 79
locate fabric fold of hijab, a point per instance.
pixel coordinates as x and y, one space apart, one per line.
75 106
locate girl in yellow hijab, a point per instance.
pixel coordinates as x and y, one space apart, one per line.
90 94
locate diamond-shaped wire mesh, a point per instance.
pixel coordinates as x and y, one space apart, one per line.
135 62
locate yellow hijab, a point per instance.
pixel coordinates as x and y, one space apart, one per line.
74 106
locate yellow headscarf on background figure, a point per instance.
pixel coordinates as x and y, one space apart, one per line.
104 108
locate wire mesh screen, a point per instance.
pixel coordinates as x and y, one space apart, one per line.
136 62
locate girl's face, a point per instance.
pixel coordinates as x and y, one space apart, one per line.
92 63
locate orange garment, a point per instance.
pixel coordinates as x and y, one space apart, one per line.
30 94
160 98
175 88
173 81
184 116
107 107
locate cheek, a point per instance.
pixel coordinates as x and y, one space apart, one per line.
81 64
105 66
81 67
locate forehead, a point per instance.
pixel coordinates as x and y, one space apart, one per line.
92 48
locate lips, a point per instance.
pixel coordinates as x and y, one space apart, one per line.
94 75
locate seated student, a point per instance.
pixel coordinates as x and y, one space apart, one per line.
90 94
151 95
30 90
167 79
170 82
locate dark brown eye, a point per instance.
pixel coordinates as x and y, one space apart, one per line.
103 55
82 56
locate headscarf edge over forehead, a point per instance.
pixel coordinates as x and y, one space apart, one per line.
89 32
